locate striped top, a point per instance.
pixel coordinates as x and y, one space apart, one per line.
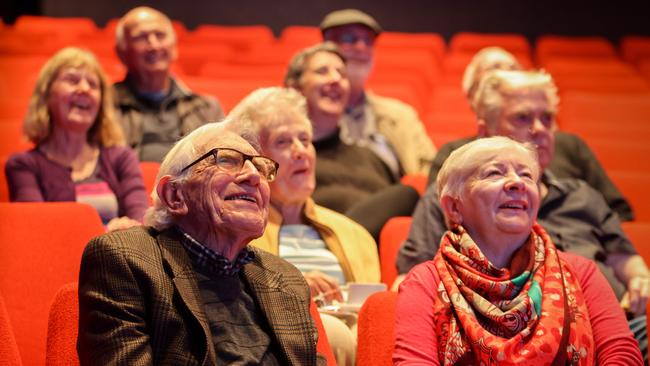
96 192
302 246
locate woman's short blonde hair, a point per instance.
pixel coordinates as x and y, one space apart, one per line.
497 84
463 162
38 122
266 108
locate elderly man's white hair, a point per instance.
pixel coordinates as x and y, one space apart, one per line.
484 60
184 152
139 12
499 84
265 108
463 162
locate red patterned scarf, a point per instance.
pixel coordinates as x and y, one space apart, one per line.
509 316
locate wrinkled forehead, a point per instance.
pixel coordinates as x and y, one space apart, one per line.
291 120
528 98
516 156
146 20
224 139
323 58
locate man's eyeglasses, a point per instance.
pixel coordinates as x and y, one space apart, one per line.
352 38
232 161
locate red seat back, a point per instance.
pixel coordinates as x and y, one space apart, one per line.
376 330
8 348
63 327
392 235
41 250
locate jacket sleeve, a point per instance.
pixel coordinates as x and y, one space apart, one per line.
214 111
420 142
112 326
22 180
427 228
132 196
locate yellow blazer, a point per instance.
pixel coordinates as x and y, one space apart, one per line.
354 247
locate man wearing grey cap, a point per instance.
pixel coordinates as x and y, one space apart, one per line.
391 128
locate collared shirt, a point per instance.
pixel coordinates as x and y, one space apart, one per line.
359 127
212 261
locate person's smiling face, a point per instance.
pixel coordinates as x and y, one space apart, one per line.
501 196
74 98
290 144
235 204
324 84
150 44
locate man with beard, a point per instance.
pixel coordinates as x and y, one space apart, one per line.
389 127
155 109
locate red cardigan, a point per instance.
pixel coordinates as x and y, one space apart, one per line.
416 340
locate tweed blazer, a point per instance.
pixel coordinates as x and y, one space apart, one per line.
139 303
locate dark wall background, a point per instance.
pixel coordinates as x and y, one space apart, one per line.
611 19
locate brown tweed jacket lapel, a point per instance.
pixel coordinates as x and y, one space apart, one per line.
285 303
187 285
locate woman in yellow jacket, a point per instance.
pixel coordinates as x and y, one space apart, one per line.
329 248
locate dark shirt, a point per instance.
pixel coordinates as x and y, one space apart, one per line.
347 174
575 216
240 333
572 159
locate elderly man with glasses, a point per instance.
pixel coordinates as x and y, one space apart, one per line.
187 288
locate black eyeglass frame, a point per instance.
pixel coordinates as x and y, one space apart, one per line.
213 152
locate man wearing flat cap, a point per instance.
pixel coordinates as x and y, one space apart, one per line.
391 128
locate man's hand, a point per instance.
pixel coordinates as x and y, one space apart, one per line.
324 286
635 299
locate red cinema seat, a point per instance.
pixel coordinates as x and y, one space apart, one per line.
41 250
392 235
9 354
467 42
376 330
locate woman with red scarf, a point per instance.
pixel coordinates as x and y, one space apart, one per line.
498 292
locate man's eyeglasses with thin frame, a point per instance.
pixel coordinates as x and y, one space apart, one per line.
232 161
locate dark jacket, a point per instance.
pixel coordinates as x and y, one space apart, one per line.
181 111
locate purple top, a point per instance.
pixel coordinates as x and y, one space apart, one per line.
34 178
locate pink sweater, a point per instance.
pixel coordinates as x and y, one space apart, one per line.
416 342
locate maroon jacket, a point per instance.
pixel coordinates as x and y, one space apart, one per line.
33 178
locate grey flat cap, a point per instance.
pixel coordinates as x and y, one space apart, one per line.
349 16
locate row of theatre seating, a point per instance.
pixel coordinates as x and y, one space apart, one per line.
605 98
605 92
40 261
